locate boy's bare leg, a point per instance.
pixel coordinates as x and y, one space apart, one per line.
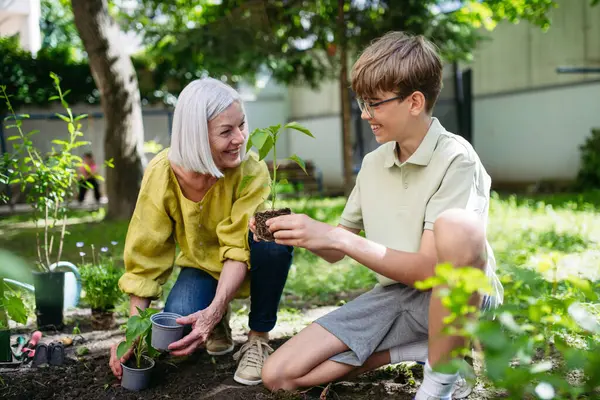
460 240
303 361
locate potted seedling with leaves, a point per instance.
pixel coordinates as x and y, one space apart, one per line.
265 140
50 180
138 338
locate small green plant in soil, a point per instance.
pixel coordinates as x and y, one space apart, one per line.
265 140
99 281
138 336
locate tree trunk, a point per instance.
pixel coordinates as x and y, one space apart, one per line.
345 102
117 82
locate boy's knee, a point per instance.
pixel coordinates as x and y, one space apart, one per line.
272 376
460 238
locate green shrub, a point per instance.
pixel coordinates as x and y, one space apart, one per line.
100 285
589 170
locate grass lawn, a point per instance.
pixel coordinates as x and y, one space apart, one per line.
522 230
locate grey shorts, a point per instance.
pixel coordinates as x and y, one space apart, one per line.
382 318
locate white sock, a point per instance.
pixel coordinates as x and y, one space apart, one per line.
416 351
435 385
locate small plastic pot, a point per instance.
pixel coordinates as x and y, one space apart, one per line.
165 330
134 378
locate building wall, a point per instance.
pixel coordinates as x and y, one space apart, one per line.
21 17
522 104
535 135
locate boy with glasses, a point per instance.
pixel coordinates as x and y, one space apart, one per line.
422 198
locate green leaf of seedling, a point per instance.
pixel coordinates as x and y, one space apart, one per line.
283 181
299 161
60 142
300 128
244 183
80 117
259 137
71 128
10 138
110 163
24 116
33 132
66 92
264 150
63 117
123 348
274 129
15 308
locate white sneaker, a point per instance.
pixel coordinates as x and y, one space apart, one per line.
462 388
251 356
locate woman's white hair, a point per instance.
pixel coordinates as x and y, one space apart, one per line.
199 102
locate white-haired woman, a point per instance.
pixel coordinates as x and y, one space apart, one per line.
191 195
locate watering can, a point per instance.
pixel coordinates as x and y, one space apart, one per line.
72 286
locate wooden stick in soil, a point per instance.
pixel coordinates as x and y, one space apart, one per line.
46 234
62 236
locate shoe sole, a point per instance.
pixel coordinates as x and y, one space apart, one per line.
246 382
222 352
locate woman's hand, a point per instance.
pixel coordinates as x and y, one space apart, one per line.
252 227
115 362
202 322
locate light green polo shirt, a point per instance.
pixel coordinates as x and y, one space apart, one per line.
395 202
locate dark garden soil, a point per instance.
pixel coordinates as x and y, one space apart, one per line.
261 218
198 377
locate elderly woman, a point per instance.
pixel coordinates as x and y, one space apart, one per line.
192 196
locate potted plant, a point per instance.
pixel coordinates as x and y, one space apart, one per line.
138 338
100 289
265 140
50 181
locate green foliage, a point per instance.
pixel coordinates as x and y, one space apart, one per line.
138 336
297 41
25 75
100 285
11 306
544 334
50 180
265 140
589 170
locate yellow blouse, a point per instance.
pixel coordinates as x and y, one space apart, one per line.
207 232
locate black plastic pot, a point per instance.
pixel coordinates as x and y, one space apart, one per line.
5 352
49 299
134 378
165 330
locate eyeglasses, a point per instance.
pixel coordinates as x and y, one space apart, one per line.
368 107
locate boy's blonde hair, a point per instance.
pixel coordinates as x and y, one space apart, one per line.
400 63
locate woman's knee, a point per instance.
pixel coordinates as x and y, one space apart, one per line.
270 255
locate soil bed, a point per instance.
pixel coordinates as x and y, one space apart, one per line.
198 377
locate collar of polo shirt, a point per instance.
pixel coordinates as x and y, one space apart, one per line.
424 152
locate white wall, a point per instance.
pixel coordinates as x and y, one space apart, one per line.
22 17
535 135
325 150
522 56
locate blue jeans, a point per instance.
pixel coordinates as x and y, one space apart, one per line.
195 289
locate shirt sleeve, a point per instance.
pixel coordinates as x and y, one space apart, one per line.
352 214
233 230
459 189
150 244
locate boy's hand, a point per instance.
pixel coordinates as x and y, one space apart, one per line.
299 230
